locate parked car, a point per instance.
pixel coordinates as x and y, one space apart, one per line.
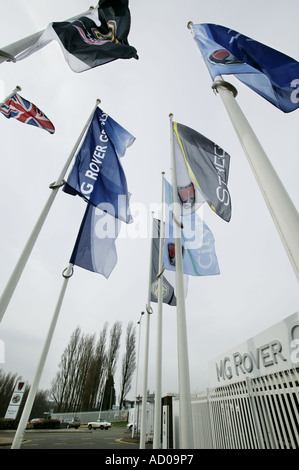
36 420
70 423
99 423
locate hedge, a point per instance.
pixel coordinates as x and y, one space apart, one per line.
47 424
12 424
8 424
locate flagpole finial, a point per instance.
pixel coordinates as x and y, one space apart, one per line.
98 100
163 173
18 88
190 23
170 115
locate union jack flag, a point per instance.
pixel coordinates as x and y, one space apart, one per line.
24 111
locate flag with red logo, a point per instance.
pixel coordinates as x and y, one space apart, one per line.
270 73
18 108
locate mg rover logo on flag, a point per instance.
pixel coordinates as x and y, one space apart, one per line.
202 172
94 39
18 108
97 174
268 72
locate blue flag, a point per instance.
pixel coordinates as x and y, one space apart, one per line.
270 73
95 249
97 175
198 250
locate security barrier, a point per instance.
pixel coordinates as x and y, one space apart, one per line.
258 413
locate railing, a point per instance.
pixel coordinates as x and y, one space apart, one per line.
259 413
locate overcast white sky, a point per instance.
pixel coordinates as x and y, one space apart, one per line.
256 288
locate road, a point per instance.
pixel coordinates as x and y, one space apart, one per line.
113 439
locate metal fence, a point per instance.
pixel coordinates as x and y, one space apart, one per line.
259 413
86 416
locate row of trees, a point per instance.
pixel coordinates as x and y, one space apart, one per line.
85 377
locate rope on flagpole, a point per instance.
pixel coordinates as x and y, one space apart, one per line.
161 273
57 185
179 224
149 309
70 270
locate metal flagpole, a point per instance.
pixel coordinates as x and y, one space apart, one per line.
158 390
137 370
281 207
8 53
16 90
186 427
67 273
145 371
17 272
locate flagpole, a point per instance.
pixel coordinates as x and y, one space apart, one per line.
186 427
17 272
16 90
8 53
280 205
149 311
16 444
158 390
137 370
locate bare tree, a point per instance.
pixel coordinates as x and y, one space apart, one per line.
61 385
85 369
67 387
95 380
112 356
128 363
113 350
84 360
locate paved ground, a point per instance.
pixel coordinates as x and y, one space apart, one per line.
119 436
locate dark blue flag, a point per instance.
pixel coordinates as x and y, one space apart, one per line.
97 175
270 73
95 249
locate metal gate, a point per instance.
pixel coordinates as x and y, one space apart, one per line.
259 413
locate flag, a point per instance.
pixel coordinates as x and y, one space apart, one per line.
198 243
18 108
268 72
167 284
202 172
95 249
97 174
94 39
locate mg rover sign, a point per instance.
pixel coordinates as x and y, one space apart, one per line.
15 400
275 349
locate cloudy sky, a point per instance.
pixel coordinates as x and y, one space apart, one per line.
257 286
